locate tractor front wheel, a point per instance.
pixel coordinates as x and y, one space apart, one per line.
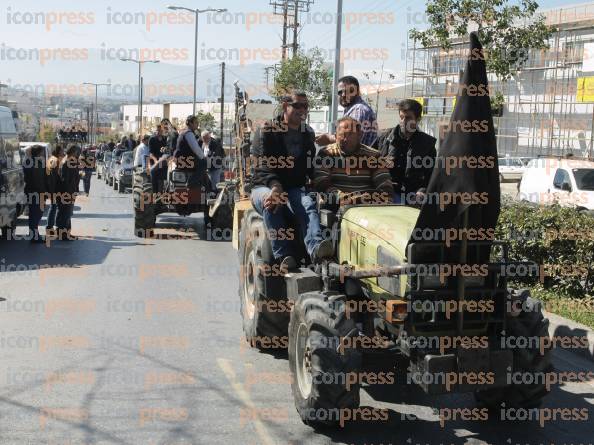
530 323
321 366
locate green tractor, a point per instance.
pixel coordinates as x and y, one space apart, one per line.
444 307
380 296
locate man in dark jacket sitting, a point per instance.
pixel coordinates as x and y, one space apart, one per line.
284 150
413 153
35 189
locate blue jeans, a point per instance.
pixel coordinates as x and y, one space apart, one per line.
51 216
399 198
305 210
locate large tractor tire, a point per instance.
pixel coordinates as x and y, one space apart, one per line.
529 323
255 252
319 366
144 214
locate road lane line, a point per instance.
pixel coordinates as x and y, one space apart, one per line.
243 395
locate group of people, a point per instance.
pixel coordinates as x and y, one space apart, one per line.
74 133
396 164
55 180
194 150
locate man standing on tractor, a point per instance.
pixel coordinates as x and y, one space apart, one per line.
351 171
349 96
413 154
284 149
189 153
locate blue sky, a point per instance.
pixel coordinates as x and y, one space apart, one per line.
367 45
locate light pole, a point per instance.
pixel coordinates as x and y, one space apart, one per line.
139 112
197 13
96 123
334 111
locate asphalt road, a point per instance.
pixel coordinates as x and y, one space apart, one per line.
117 340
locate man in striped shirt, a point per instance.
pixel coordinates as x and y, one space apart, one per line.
352 171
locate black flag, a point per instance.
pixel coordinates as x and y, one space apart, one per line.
466 174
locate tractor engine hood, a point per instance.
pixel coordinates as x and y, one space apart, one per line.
391 224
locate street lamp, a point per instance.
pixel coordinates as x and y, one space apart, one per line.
197 12
139 112
96 124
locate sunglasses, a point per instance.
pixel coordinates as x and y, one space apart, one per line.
299 105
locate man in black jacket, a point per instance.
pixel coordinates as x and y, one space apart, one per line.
284 150
68 188
35 189
413 153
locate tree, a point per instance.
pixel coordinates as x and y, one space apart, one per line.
206 121
308 73
507 31
47 133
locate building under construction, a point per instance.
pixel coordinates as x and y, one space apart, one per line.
548 106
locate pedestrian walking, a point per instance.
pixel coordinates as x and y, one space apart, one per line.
70 178
87 163
53 184
35 190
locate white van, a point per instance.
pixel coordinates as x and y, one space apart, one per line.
567 182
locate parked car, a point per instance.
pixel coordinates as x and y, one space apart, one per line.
123 171
12 180
568 182
511 169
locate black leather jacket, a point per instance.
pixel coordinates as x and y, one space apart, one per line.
414 158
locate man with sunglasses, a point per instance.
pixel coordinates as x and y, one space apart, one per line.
284 152
355 107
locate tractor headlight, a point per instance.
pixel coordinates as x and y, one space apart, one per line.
389 284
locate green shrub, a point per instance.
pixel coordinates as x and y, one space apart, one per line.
559 239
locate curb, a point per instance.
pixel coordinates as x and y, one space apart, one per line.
562 327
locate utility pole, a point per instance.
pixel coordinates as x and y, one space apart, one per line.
285 27
290 10
94 133
196 13
139 114
140 128
334 109
222 99
295 28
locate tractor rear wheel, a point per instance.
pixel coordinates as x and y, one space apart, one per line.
530 323
320 366
255 253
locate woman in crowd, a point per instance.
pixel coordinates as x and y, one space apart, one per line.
53 184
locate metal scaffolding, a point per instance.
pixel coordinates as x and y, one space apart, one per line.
544 113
